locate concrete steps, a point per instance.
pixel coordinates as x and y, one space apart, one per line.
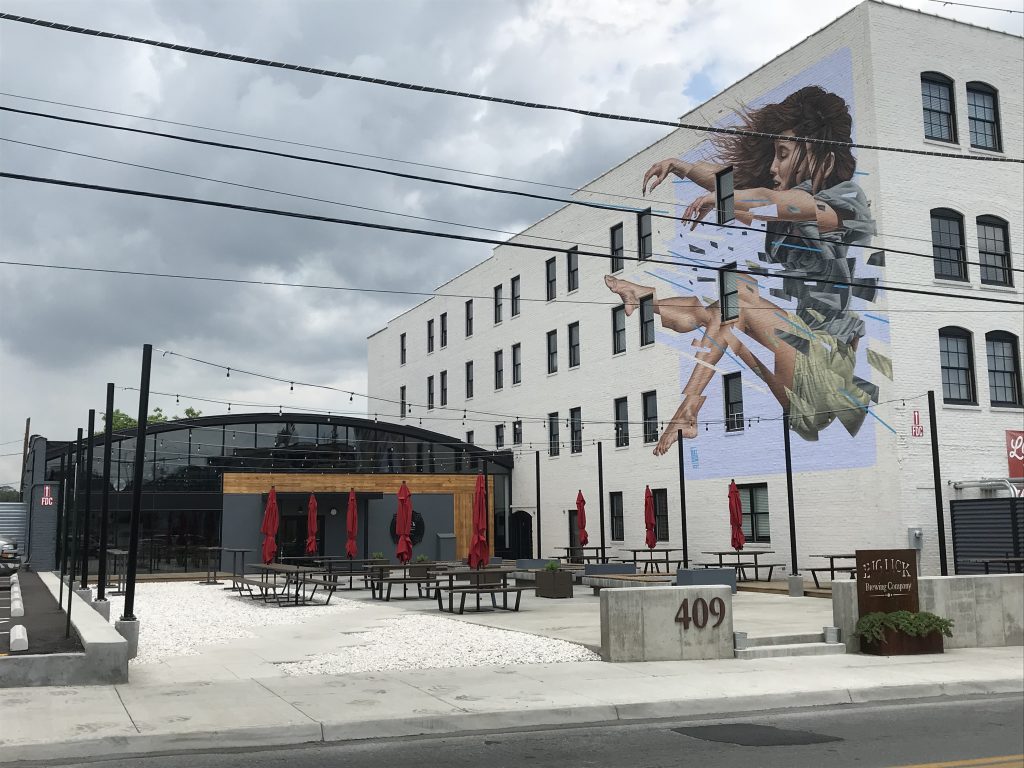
824 643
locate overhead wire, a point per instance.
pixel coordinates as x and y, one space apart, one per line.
255 61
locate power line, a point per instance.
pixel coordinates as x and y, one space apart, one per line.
397 292
740 227
478 96
979 7
468 238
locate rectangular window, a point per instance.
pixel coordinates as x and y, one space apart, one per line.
444 388
729 293
430 393
401 349
517 432
621 422
725 196
937 102
469 380
553 434
517 363
430 335
618 330
552 351
994 251
469 318
499 435
733 385
649 402
754 499
983 117
470 437
645 240
499 369
1003 369
576 430
516 290
646 321
618 526
618 262
574 345
660 513
948 254
551 278
444 330
401 401
572 269
497 304
957 365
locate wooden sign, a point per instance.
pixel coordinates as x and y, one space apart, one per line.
886 580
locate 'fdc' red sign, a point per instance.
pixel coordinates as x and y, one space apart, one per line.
48 499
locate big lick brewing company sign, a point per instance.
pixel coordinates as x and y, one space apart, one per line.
886 580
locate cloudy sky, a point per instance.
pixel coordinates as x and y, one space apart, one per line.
63 335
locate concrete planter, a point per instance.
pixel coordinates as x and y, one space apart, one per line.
706 577
554 584
420 570
898 644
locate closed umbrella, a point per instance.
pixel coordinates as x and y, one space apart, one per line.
736 517
581 518
403 524
311 527
479 553
269 527
649 520
351 525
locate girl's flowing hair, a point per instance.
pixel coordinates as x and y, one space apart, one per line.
811 112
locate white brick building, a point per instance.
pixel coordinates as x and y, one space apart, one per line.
904 76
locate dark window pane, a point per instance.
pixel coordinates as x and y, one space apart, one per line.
552 351
733 402
948 246
618 330
983 118
618 527
660 513
621 422
957 366
994 252
574 345
576 430
645 239
617 248
553 447
1004 383
649 401
937 102
646 321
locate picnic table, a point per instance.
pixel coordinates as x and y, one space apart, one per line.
579 554
652 563
740 564
294 574
118 573
381 574
235 552
211 570
1016 562
480 581
832 567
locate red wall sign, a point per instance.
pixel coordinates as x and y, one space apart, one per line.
1015 452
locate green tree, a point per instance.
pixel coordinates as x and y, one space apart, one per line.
7 493
122 420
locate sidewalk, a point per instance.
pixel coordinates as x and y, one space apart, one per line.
146 717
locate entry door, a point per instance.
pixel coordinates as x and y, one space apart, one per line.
520 535
574 533
292 532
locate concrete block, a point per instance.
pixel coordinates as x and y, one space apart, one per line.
1013 610
796 585
988 608
845 613
102 607
19 638
129 630
700 577
831 634
85 594
17 608
622 631
801 649
739 640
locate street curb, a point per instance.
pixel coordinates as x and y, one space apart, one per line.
328 732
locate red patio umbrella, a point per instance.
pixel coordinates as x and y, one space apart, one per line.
479 553
736 517
649 521
311 526
581 518
351 525
269 527
403 524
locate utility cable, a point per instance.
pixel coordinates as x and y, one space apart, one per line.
468 238
479 96
979 7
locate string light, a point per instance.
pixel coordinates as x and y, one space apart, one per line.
292 387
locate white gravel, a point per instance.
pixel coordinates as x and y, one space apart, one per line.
178 618
427 642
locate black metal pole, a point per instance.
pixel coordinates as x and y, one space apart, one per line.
600 499
940 514
71 511
537 464
682 499
487 507
789 494
58 552
74 540
108 431
88 498
140 458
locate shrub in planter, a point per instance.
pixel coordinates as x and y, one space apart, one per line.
553 582
420 567
902 633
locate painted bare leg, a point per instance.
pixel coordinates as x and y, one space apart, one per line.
630 293
683 420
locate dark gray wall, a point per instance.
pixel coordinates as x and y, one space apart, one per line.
240 526
438 511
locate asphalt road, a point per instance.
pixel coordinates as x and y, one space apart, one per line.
947 732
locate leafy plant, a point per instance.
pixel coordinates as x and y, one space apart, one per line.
872 626
552 566
422 559
377 556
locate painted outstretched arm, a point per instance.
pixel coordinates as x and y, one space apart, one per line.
790 205
701 173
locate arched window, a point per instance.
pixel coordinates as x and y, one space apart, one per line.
1003 368
983 116
948 253
994 251
939 107
956 359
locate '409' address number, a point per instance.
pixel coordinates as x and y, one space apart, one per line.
700 613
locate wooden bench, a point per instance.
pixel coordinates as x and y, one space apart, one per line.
850 569
421 582
483 589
